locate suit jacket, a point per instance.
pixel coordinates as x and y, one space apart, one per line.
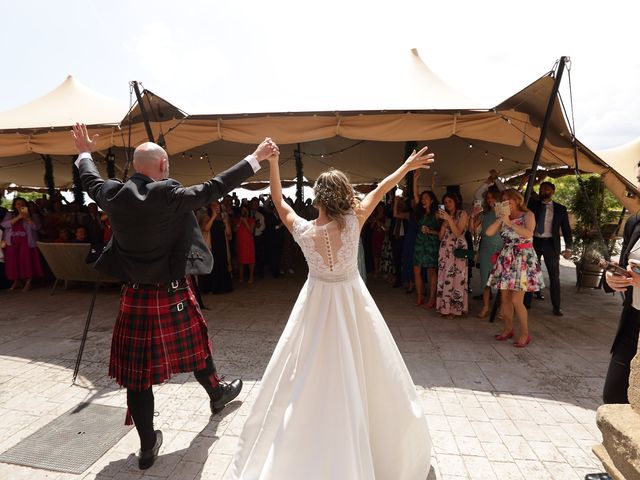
628 325
156 237
560 222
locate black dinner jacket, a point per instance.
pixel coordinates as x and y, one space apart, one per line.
560 222
629 315
156 237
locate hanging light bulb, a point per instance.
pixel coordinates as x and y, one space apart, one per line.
470 145
501 158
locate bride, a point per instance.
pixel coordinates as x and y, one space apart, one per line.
336 400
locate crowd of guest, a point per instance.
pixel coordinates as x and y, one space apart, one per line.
428 244
247 240
435 244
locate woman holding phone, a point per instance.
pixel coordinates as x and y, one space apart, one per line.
452 271
22 258
517 269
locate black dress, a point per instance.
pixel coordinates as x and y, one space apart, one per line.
220 277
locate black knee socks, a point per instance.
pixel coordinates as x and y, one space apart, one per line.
208 378
141 405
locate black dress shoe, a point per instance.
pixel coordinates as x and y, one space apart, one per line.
147 457
557 312
227 392
539 296
597 476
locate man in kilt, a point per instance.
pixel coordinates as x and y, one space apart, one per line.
156 245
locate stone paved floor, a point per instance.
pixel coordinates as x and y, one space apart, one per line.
494 411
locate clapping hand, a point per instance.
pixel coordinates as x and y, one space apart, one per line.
420 159
266 150
82 140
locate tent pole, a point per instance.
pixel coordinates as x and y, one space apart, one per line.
545 125
145 116
299 175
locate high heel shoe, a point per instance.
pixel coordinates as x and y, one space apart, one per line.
430 304
484 313
501 337
420 301
520 344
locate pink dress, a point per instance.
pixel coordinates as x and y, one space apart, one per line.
452 275
21 260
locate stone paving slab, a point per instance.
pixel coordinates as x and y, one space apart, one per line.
494 411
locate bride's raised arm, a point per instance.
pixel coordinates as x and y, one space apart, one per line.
285 212
416 160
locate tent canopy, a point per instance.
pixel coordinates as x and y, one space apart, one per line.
68 103
362 133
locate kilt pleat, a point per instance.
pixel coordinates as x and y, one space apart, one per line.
159 331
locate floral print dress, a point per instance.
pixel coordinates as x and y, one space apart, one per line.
452 274
517 267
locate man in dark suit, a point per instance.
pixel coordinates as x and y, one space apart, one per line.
156 245
625 344
552 220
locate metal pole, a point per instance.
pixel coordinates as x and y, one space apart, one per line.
86 331
145 116
545 125
299 175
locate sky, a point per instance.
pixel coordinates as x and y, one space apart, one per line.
198 53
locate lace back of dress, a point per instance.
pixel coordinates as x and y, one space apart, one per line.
329 250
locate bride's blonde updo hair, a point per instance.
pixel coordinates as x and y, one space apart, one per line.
335 194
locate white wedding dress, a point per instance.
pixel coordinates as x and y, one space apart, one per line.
336 401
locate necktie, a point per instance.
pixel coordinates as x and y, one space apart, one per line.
540 220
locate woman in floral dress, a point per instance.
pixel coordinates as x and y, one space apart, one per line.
517 269
452 271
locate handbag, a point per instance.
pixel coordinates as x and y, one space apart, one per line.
466 253
463 252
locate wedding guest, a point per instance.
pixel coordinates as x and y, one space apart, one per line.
21 255
517 269
452 270
216 230
245 249
378 233
489 245
426 249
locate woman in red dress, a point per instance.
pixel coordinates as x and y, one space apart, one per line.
245 249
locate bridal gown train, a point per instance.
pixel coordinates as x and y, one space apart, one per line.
336 401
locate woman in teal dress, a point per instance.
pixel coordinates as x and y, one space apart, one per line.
490 245
425 252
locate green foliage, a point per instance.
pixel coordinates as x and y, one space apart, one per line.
593 207
28 196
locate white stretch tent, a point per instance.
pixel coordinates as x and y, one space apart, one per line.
362 131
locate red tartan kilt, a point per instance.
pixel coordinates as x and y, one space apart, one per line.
154 337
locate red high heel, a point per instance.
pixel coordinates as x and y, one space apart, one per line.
519 344
500 337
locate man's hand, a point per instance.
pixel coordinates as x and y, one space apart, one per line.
566 253
82 140
266 149
618 282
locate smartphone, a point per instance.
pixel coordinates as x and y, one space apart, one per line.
635 266
613 268
477 203
441 207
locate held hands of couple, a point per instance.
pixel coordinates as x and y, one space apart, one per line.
266 150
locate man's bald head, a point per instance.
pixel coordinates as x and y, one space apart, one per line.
151 160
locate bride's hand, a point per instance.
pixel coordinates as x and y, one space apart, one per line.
420 159
274 159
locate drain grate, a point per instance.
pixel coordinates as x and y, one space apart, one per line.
73 441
